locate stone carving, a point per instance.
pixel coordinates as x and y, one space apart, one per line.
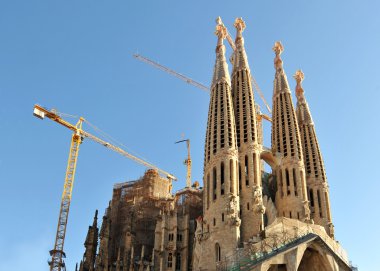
239 24
232 204
200 233
307 211
331 229
258 200
235 220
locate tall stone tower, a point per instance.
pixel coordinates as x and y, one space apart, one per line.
291 196
251 208
221 202
318 191
91 245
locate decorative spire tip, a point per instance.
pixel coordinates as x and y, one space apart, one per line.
278 49
239 24
299 76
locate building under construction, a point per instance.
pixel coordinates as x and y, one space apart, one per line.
242 218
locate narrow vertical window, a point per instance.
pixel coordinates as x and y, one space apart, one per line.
223 217
217 253
178 262
170 260
295 182
222 178
281 184
255 167
231 179
239 177
287 180
214 181
311 197
246 170
207 191
319 203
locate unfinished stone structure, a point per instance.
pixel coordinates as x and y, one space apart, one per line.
243 218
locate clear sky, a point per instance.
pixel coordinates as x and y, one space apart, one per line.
76 56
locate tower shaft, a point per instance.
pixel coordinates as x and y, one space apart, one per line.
251 208
316 181
221 202
291 196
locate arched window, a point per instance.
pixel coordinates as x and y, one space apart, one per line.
178 262
218 255
311 197
170 259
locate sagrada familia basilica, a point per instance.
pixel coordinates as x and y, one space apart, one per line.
243 218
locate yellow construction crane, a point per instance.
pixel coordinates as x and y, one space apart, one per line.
57 254
187 162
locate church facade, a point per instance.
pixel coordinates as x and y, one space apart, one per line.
242 218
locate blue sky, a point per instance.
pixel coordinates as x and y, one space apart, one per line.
76 56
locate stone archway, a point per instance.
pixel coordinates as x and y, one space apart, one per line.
313 260
278 267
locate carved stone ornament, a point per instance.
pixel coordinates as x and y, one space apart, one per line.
239 24
307 210
235 221
231 205
258 200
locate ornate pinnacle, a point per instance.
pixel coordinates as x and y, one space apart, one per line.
299 76
239 24
278 49
221 31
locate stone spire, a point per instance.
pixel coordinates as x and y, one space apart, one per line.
247 140
291 197
91 245
318 191
221 202
221 72
102 262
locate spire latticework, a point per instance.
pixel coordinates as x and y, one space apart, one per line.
247 140
221 202
316 181
291 198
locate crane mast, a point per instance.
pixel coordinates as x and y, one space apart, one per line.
57 254
187 162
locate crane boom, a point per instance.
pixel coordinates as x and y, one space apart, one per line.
172 72
57 254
